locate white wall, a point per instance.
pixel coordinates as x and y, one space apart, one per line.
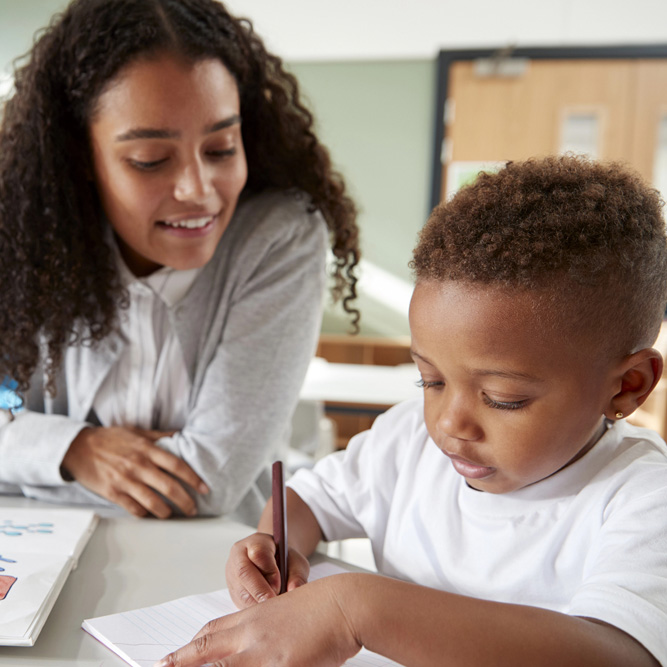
367 68
312 30
379 29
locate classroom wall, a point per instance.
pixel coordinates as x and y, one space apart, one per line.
367 68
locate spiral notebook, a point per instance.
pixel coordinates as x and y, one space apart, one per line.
38 550
143 636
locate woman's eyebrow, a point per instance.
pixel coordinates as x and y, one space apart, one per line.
165 133
222 124
147 133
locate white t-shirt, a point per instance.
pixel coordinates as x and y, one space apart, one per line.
589 541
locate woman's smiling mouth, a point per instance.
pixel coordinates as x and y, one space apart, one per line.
190 223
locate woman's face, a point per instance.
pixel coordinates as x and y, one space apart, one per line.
168 160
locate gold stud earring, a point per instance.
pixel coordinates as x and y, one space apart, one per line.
619 415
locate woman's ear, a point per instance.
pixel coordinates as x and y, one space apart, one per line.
638 375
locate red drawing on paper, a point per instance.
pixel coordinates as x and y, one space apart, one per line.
10 529
6 582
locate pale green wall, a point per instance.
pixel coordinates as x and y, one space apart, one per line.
19 20
377 120
375 117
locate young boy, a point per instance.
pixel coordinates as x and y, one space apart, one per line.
520 519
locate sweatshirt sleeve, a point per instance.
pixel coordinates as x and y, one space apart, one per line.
271 314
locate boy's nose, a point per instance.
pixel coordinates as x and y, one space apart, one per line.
456 420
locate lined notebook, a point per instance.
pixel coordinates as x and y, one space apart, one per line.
143 636
38 550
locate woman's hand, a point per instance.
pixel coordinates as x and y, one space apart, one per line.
252 571
306 627
125 466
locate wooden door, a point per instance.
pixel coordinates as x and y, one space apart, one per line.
542 107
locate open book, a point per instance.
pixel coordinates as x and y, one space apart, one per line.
38 550
143 636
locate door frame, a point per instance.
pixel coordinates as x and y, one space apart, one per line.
448 58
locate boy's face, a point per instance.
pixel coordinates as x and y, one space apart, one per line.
509 400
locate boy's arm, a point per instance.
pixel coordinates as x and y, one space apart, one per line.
327 621
419 626
303 531
252 571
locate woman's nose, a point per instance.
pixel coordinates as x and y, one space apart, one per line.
192 183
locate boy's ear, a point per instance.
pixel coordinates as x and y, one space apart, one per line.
637 375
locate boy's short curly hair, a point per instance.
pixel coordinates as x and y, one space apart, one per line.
587 236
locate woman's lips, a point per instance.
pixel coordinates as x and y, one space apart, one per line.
470 470
189 226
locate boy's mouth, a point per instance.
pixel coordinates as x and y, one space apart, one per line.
468 469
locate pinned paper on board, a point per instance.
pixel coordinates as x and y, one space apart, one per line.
465 172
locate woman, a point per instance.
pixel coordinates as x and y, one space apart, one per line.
164 207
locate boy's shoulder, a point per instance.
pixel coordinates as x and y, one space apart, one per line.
626 444
630 462
408 413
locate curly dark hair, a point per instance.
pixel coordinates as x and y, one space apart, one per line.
56 270
588 235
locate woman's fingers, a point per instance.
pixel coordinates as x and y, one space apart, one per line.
176 467
128 468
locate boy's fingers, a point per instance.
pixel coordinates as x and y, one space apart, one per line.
263 556
298 569
258 585
203 649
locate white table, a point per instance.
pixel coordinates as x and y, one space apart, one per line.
359 386
128 563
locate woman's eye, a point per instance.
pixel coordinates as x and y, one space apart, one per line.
426 384
505 405
228 152
146 165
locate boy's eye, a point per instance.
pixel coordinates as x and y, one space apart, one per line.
426 384
505 405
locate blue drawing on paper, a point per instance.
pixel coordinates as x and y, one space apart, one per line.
9 527
14 529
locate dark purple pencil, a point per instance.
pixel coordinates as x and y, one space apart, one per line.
280 522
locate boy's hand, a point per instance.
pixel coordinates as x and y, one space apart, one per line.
304 628
252 571
125 466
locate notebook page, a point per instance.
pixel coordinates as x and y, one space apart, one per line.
143 636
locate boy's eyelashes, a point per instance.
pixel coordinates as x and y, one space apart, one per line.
492 403
505 405
426 384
